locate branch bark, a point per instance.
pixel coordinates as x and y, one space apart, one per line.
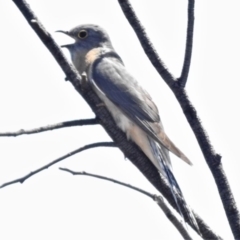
189 44
81 149
158 199
212 158
130 150
73 123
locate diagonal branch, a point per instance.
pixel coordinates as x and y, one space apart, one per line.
130 150
146 42
81 149
160 201
212 158
189 43
73 123
172 218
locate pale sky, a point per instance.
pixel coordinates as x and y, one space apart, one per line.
33 93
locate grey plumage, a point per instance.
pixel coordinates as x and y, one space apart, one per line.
130 105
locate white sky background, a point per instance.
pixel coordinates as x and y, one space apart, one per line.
33 93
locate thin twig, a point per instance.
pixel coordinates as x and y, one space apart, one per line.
130 149
212 158
189 43
83 173
160 201
73 123
89 146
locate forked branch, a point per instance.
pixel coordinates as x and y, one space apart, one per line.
212 158
130 150
159 200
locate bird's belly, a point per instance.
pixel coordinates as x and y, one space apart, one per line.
123 122
133 132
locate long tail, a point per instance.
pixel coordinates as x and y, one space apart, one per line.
165 167
175 187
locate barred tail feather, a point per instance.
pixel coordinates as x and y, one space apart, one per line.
175 187
165 168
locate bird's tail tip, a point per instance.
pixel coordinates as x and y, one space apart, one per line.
191 217
186 159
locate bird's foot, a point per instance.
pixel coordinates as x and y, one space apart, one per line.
100 104
84 80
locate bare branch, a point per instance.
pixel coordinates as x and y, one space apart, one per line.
160 201
146 42
73 123
189 43
86 147
83 173
130 149
179 226
212 158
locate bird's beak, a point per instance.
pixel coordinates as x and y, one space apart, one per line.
67 33
66 46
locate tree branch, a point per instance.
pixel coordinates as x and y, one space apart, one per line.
167 211
73 123
189 43
130 149
213 160
146 42
172 218
81 149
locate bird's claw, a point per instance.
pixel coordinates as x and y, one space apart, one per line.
100 104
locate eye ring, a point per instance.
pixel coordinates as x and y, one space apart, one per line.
82 34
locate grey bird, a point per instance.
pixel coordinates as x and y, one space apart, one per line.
130 105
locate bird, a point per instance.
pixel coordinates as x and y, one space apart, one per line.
131 107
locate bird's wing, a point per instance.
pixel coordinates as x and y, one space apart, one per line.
112 78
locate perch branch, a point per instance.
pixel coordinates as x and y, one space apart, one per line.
130 150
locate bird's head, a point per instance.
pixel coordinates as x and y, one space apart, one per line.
90 40
87 37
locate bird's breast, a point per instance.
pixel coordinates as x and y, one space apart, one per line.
92 55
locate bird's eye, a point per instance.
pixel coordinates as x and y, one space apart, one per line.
82 34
